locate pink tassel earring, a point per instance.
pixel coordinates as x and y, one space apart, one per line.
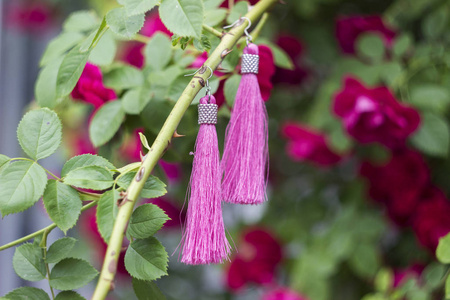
204 240
245 157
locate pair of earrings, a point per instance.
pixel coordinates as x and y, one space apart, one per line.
240 177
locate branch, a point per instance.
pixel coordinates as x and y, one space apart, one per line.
213 31
159 146
43 230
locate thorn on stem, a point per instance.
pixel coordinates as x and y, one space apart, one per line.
177 135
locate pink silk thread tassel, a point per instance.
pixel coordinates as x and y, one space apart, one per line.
204 240
246 153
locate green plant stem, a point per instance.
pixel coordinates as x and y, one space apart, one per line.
212 30
43 245
47 229
255 32
141 38
161 143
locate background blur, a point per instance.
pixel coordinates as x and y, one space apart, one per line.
358 96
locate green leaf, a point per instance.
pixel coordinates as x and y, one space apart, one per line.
401 45
29 263
134 100
371 46
435 23
3 160
230 88
280 57
71 273
158 51
214 17
63 204
365 261
447 288
92 40
443 249
105 50
22 184
85 160
433 275
433 135
60 250
430 97
60 45
26 293
135 7
69 295
39 133
239 10
384 280
124 77
146 259
153 187
106 213
106 122
81 21
123 24
211 4
147 290
204 44
70 71
90 177
144 141
146 220
182 17
45 89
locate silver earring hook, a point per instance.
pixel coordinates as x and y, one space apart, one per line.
247 35
207 87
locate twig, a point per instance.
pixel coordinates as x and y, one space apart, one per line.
42 231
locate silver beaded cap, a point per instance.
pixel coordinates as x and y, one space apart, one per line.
250 63
207 113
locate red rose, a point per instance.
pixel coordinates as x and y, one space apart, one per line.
294 48
398 184
256 261
374 115
348 29
431 220
132 53
402 276
266 71
307 145
90 87
282 293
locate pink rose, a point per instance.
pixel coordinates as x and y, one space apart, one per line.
90 87
374 115
258 256
294 48
348 29
282 293
31 16
398 184
305 144
132 53
431 219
